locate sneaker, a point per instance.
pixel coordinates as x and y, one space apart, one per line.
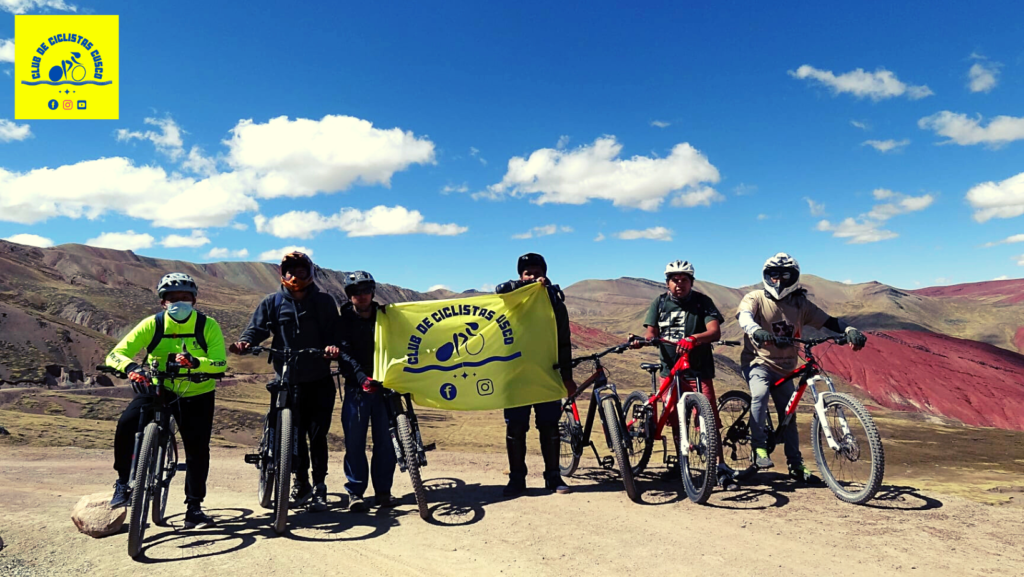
762 460
357 504
803 474
514 488
121 494
555 483
319 497
301 493
385 501
727 478
196 519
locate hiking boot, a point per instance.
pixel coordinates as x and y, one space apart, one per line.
553 482
319 498
121 494
803 474
301 493
727 478
196 519
385 501
762 460
514 488
357 504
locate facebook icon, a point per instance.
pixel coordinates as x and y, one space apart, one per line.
448 391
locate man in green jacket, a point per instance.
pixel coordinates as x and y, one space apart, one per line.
192 340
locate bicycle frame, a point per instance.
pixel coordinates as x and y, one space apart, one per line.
671 395
810 374
602 388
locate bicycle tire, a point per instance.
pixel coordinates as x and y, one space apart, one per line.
737 448
570 447
698 487
265 483
642 442
283 475
412 461
849 446
140 492
166 465
613 420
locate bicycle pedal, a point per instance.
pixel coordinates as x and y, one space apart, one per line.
671 460
249 459
608 462
430 447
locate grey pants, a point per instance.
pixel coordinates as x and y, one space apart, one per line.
759 379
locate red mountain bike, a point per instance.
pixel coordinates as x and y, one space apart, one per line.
844 439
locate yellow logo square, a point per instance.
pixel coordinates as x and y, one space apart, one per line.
66 67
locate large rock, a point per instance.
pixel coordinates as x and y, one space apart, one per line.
94 516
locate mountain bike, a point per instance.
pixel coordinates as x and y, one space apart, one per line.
279 441
844 438
575 436
697 441
155 457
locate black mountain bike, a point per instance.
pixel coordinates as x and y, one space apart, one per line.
280 439
155 458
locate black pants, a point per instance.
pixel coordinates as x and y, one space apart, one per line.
194 416
313 415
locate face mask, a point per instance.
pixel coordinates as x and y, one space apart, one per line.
179 311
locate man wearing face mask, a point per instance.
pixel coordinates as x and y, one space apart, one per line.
185 336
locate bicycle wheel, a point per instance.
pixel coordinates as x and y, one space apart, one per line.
413 463
699 458
265 488
613 420
144 469
283 477
639 435
166 466
855 471
734 409
571 446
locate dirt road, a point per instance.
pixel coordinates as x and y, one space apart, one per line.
771 529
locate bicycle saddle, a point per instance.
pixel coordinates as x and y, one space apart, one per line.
650 367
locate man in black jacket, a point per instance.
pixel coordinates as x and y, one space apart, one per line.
299 316
533 268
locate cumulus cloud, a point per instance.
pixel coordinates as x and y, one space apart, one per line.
128 240
438 287
1002 277
859 124
596 172
1008 240
868 227
1020 259
654 233
450 188
23 6
660 124
199 163
878 85
7 50
884 146
30 240
997 199
378 221
276 254
848 281
302 157
983 75
816 208
227 253
542 231
563 141
965 131
11 131
857 231
195 240
168 141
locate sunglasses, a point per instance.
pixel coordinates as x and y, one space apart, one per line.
784 275
363 290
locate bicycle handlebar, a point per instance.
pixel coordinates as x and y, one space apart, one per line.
256 350
651 342
616 349
153 374
839 340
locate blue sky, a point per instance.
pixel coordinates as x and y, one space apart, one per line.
418 141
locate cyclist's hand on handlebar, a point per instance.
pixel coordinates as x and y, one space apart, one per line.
636 342
239 348
685 345
138 380
187 361
570 386
371 386
762 337
331 352
856 338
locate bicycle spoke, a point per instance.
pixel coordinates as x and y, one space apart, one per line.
851 464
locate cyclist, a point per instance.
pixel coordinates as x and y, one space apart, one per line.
185 336
779 311
300 316
690 318
363 405
533 268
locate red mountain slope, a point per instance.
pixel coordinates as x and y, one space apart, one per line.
1004 291
974 382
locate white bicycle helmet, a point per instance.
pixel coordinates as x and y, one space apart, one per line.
786 270
176 281
359 277
679 267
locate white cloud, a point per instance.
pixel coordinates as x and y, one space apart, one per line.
660 124
983 76
9 131
227 253
475 153
1008 240
302 157
901 205
859 124
654 233
744 189
438 287
239 226
878 85
168 141
965 131
127 240
867 227
195 240
276 254
847 281
816 208
7 50
486 288
595 172
859 232
943 280
538 231
23 6
599 237
199 163
450 188
31 240
1020 259
886 145
1002 277
763 217
378 221
563 141
997 199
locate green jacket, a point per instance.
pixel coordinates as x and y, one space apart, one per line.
212 360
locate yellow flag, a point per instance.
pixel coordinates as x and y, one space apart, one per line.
476 353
